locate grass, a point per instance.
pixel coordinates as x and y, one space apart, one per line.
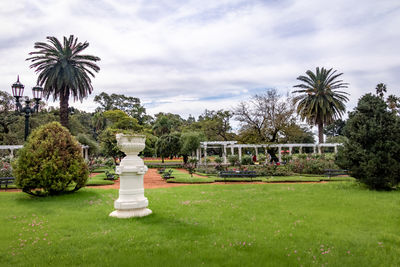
99 180
183 177
338 224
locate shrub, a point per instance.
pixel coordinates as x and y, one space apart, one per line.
372 152
310 165
218 159
5 169
270 170
247 160
261 158
50 162
233 160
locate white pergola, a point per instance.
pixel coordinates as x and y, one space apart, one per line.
84 148
232 145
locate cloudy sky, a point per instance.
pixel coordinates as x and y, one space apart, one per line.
185 56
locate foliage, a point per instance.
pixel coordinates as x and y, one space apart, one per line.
5 169
233 160
215 125
218 159
120 120
94 147
128 104
190 166
335 128
190 141
110 175
310 165
372 152
247 160
261 158
50 161
150 148
265 117
168 145
108 143
320 101
166 123
63 71
167 174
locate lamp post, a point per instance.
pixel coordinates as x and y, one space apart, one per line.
18 91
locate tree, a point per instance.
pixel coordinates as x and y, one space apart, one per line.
63 71
7 116
166 123
190 141
372 152
168 145
380 89
128 104
119 122
321 101
393 103
265 116
335 128
215 125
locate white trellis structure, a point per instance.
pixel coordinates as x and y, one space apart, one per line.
11 148
232 145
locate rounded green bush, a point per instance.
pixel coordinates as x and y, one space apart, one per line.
50 162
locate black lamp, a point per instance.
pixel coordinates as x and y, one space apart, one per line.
18 91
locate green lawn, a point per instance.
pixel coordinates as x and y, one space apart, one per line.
99 180
338 224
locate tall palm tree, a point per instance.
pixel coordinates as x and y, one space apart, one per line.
63 71
320 101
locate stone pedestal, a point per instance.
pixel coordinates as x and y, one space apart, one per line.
131 201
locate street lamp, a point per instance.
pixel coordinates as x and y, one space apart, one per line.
18 91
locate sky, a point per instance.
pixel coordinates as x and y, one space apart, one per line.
184 57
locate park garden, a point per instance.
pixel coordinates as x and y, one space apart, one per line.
301 209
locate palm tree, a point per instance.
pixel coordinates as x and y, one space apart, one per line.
320 102
380 89
63 71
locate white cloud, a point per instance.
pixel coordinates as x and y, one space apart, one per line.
182 56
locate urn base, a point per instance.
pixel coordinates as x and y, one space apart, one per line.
131 213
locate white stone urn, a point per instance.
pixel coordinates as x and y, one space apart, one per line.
131 201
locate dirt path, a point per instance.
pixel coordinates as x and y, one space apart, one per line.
152 179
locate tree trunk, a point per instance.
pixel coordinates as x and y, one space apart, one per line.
321 132
64 97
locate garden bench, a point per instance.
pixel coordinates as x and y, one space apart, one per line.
237 174
332 172
6 181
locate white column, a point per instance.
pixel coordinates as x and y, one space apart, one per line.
266 155
256 148
279 153
131 201
319 149
290 150
314 151
87 153
205 154
240 153
301 150
200 156
232 150
12 153
335 149
225 154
